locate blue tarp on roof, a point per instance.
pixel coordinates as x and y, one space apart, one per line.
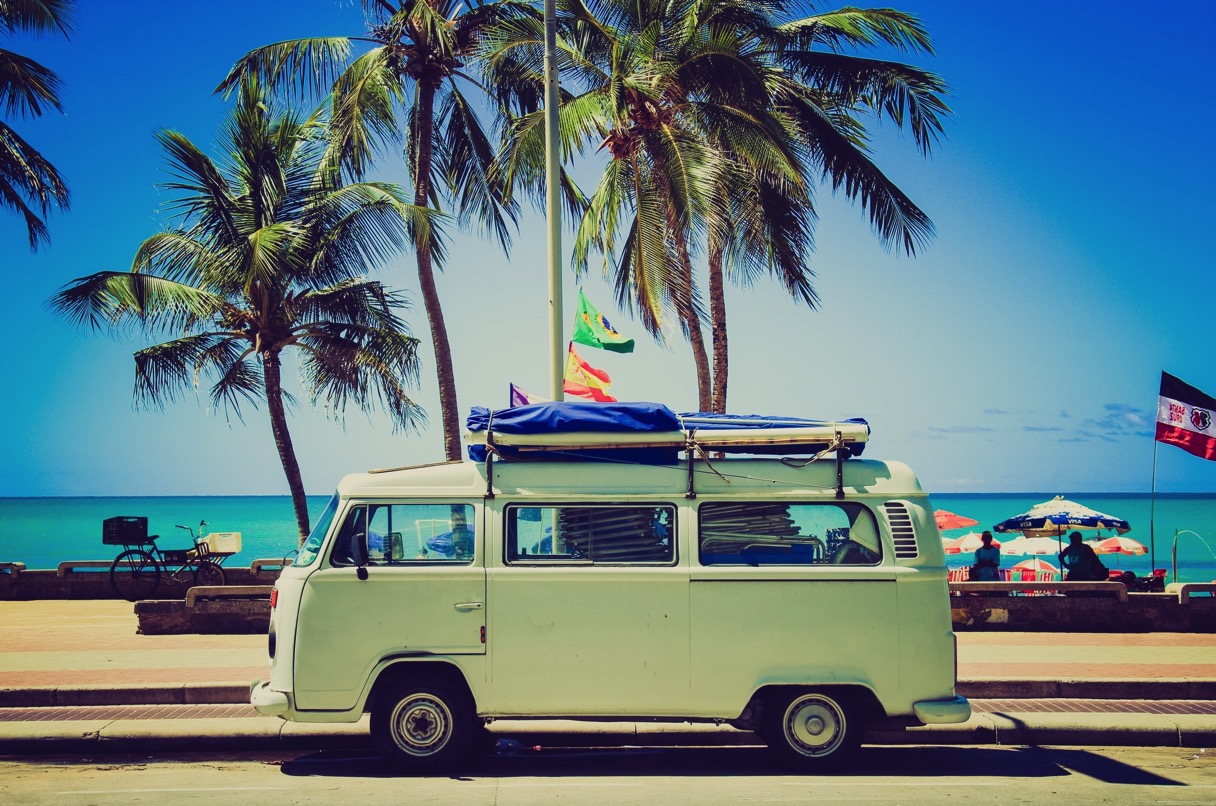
628 418
569 418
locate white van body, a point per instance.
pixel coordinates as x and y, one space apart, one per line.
715 615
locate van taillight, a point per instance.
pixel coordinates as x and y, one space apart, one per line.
274 597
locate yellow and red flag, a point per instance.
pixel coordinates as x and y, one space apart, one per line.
583 380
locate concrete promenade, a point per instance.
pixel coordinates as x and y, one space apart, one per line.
76 675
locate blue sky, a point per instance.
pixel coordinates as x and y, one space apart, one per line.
1021 352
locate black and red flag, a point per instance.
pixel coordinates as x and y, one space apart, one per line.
1186 417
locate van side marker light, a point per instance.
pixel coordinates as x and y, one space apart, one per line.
274 597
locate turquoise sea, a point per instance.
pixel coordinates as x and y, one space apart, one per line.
42 532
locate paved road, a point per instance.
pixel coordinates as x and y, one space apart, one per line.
597 777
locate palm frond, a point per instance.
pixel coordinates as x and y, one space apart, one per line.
164 372
348 364
464 160
39 16
27 173
902 93
309 66
366 98
855 27
26 87
110 299
201 192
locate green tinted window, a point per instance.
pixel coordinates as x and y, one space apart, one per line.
775 533
588 535
405 534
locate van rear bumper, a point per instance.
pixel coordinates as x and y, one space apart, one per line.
266 701
941 712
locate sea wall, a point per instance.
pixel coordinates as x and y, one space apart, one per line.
75 582
1142 612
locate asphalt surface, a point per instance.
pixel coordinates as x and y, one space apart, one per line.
76 676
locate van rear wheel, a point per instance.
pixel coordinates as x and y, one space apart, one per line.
813 731
422 724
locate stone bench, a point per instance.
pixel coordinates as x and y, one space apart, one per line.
1184 590
66 568
211 593
257 566
1115 588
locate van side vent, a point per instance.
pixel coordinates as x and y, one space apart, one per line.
899 521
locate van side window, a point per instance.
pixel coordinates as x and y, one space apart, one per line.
773 533
407 534
591 534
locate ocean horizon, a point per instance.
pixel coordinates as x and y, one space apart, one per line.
44 531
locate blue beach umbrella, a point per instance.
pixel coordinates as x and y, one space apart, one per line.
1056 517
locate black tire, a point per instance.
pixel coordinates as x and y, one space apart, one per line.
813 731
423 724
208 573
134 575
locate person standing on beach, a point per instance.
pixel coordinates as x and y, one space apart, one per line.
987 560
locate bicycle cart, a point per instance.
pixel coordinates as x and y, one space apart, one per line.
136 573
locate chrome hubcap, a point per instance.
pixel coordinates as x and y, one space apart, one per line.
422 725
814 725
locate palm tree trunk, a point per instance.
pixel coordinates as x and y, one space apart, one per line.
688 317
272 373
717 316
448 408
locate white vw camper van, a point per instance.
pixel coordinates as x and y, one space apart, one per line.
601 561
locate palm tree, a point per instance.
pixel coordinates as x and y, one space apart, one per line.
823 94
674 93
409 86
718 117
29 184
269 255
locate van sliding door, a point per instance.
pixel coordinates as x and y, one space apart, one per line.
590 612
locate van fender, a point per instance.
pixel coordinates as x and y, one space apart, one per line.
392 671
770 695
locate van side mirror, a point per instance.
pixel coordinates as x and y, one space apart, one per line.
358 554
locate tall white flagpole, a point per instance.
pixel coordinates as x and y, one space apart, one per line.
1152 512
553 209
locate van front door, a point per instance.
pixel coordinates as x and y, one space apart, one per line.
424 594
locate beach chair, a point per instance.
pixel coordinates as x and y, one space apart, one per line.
1023 575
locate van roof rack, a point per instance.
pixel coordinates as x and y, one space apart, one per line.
649 432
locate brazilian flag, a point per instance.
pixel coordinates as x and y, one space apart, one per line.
593 329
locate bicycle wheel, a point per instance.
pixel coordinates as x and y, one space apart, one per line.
208 573
134 575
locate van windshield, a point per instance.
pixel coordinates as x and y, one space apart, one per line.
312 546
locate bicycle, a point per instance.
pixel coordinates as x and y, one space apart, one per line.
135 573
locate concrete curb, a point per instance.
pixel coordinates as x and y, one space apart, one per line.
1011 689
266 734
1122 688
153 694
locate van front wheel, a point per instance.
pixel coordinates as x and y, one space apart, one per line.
422 724
814 732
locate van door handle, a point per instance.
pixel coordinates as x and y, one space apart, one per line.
464 606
